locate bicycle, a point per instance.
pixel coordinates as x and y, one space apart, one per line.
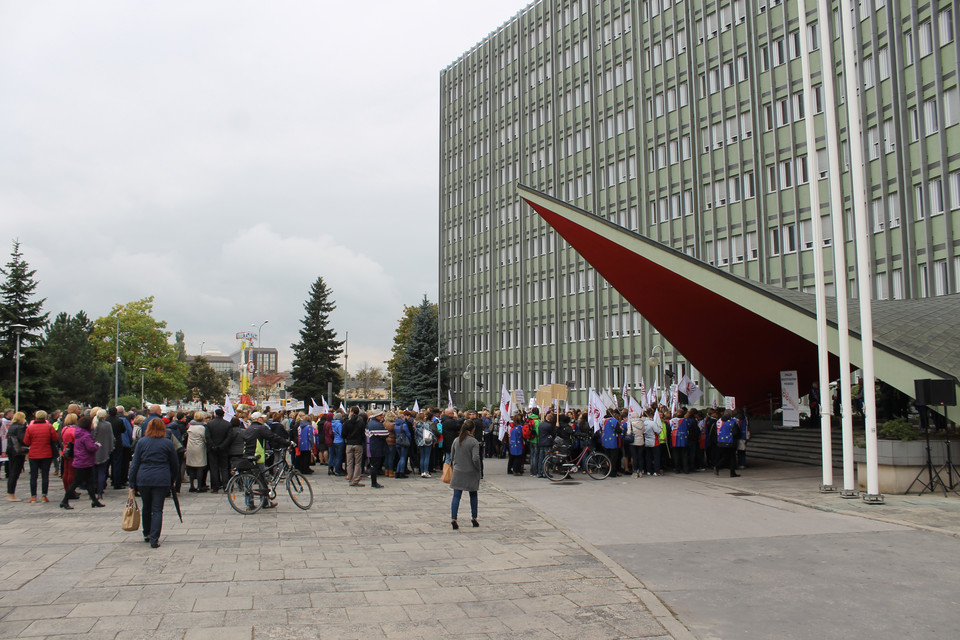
558 465
250 488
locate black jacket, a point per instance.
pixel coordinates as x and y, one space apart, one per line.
219 436
261 433
353 430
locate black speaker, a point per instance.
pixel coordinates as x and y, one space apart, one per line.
935 392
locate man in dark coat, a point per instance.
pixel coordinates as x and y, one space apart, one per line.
219 438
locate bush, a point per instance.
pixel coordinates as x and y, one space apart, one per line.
129 402
898 429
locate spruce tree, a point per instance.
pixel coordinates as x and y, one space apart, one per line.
415 369
73 360
317 352
17 306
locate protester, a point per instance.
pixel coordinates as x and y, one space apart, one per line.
219 437
465 456
426 436
67 438
196 454
337 449
16 452
403 437
41 438
354 439
85 450
103 434
377 442
153 472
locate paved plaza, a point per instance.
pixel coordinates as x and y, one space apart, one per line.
362 563
696 556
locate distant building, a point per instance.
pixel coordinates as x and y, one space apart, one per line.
264 357
220 363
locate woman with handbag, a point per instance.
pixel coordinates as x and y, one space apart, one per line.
84 456
16 453
67 437
153 472
465 457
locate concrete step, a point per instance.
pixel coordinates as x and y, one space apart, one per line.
801 445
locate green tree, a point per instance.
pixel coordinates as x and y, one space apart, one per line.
18 307
144 342
415 375
204 382
73 360
316 354
366 380
180 345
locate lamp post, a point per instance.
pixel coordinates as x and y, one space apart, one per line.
437 360
201 348
653 361
116 367
17 329
142 371
468 373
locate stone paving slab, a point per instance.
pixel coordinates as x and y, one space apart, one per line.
362 563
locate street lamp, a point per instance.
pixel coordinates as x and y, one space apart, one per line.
437 360
142 371
201 347
467 373
116 367
17 329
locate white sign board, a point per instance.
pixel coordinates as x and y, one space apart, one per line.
729 403
790 392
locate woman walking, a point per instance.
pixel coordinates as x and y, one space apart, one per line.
84 455
196 456
103 434
153 471
41 437
16 453
465 457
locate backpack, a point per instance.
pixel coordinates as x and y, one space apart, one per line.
529 429
403 435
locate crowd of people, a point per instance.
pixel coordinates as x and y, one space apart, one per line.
89 448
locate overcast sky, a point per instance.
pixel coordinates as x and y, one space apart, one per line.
221 155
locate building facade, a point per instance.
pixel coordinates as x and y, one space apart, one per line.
682 121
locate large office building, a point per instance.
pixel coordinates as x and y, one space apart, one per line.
682 121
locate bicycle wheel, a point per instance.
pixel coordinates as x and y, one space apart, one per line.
246 492
598 466
553 469
299 489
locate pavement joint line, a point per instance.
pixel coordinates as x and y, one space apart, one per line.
657 607
829 509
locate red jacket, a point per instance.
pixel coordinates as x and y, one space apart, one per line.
40 437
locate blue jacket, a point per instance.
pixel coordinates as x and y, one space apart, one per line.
126 438
377 438
337 432
154 463
609 437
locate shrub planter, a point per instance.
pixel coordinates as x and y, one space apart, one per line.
898 463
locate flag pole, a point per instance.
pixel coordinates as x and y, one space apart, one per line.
839 244
813 183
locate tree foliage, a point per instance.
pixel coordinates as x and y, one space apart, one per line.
73 360
365 381
204 382
415 353
144 342
18 306
315 355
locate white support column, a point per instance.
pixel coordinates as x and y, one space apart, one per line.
825 16
862 240
813 174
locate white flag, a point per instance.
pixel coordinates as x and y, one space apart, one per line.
594 409
449 400
566 406
416 406
343 409
675 399
626 402
690 389
504 411
324 406
228 411
635 406
314 407
643 394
